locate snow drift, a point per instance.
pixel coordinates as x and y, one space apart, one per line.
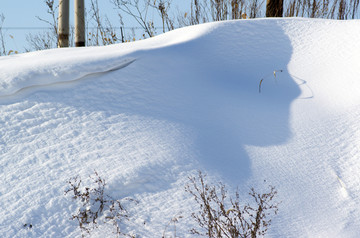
147 114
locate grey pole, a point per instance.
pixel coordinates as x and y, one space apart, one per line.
79 23
63 37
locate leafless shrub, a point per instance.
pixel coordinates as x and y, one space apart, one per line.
139 12
3 36
96 207
51 10
173 222
255 8
200 11
235 6
41 41
163 7
293 9
49 38
222 216
219 10
104 33
336 9
344 9
197 14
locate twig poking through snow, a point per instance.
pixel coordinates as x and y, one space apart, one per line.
275 71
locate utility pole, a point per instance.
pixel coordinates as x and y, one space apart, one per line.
79 23
63 37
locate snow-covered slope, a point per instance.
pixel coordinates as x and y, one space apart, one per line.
147 114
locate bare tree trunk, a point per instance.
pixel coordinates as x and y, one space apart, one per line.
63 37
79 23
274 8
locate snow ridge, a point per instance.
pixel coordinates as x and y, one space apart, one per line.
146 115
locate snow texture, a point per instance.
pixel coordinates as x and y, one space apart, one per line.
146 115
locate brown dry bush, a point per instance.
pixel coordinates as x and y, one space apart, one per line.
95 207
222 216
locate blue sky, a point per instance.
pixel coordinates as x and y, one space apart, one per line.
22 14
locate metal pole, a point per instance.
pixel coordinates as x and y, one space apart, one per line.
63 37
79 23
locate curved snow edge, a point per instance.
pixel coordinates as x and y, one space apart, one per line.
52 76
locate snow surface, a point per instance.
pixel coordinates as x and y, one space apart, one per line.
145 115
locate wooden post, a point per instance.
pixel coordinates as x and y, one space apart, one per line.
63 37
79 23
274 8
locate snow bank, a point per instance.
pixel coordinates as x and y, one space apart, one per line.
147 114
